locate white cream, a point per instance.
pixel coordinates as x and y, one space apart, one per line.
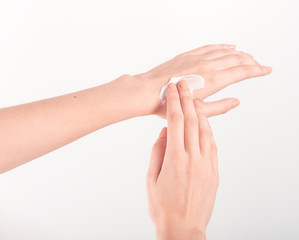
194 81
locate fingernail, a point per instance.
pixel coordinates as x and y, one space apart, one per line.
172 86
235 103
163 132
183 84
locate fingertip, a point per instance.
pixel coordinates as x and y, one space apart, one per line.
231 103
235 103
171 91
267 69
171 87
183 84
163 132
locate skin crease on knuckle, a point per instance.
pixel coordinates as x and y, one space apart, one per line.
222 52
226 109
246 70
191 120
176 117
241 59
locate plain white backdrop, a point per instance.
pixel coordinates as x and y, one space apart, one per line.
94 188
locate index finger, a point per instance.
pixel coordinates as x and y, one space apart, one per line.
236 74
175 119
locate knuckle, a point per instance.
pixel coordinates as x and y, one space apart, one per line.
186 95
148 177
206 46
246 70
241 59
246 54
176 117
200 110
191 121
216 180
226 51
212 78
172 96
226 108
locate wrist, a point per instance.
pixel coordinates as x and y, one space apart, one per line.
150 92
178 233
134 94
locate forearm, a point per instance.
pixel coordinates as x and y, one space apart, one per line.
31 130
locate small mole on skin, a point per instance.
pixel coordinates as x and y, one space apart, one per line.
75 96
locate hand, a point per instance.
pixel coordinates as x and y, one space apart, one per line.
220 65
182 178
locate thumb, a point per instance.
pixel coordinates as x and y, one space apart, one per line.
220 106
157 157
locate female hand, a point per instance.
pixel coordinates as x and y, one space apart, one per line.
220 65
182 178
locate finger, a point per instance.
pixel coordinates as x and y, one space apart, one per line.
190 118
232 75
220 106
157 157
205 134
223 52
229 61
217 107
211 47
175 119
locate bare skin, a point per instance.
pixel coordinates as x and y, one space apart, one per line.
220 65
31 130
182 178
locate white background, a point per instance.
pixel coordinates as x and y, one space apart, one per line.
94 188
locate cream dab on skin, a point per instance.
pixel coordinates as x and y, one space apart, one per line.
194 81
